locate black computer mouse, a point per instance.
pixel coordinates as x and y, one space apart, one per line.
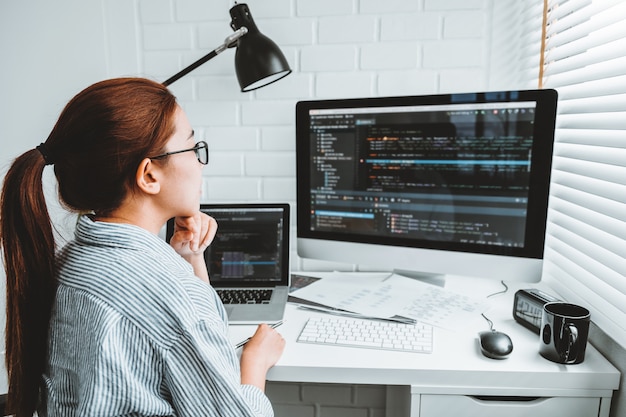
495 345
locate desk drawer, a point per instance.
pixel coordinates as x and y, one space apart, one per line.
466 406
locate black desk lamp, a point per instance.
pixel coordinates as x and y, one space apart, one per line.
258 60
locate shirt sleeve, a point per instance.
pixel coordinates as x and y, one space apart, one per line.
203 376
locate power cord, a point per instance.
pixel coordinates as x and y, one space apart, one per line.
506 288
488 321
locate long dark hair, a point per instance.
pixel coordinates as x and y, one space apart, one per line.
97 144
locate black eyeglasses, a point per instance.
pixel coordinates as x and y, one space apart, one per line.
201 149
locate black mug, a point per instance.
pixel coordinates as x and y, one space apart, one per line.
564 332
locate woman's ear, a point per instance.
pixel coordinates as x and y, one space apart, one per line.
147 177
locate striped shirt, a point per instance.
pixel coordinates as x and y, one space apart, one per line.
134 333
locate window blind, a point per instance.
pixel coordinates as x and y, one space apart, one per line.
585 61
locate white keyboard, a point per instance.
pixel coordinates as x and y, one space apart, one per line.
374 334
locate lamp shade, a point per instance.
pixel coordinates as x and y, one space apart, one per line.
258 60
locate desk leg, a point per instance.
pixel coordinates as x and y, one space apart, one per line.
416 399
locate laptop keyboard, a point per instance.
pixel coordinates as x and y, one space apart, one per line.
248 296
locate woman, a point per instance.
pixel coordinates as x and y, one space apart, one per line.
118 322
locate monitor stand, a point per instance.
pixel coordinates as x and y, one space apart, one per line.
428 278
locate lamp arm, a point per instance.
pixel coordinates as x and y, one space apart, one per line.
228 42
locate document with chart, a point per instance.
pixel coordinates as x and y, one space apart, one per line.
393 296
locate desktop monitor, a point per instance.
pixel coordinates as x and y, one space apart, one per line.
435 185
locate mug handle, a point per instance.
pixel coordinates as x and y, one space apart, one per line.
571 333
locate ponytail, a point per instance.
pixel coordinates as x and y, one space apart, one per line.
101 137
28 246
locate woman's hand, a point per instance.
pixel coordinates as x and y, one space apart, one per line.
192 235
260 353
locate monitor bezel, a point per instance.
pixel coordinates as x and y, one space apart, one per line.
541 166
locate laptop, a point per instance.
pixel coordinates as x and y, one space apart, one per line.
248 260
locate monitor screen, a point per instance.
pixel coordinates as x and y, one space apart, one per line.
441 184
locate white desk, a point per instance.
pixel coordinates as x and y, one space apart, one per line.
447 381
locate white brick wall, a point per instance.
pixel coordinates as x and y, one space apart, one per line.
323 400
337 49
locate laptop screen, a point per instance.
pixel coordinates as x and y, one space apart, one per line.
251 247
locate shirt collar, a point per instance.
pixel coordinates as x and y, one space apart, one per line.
91 232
